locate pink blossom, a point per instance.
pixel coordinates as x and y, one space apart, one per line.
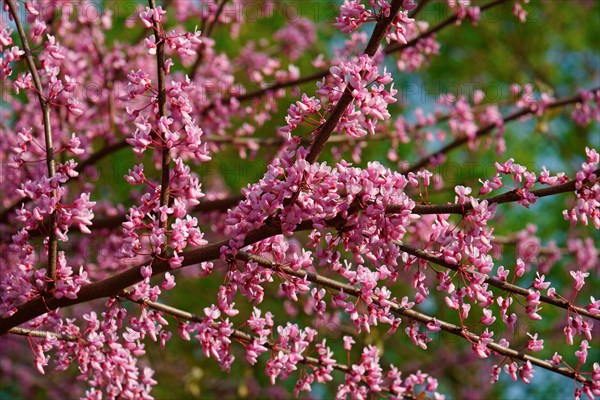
582 352
556 359
520 269
152 14
534 344
348 342
539 283
579 278
488 318
352 15
526 372
511 369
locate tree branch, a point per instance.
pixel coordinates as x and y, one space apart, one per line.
421 209
558 302
388 50
451 20
237 334
324 132
115 284
50 164
43 334
413 315
162 110
507 197
420 6
488 129
242 336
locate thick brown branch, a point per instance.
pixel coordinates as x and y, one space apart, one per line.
45 106
115 284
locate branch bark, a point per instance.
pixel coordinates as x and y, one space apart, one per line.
43 334
324 132
413 315
389 50
495 282
115 284
162 109
50 164
487 130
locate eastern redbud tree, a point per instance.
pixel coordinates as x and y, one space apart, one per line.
265 199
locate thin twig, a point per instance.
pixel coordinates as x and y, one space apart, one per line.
50 164
495 282
201 48
162 110
341 106
463 209
488 129
451 20
515 241
420 6
236 333
243 336
412 314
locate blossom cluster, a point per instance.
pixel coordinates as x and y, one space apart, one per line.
370 97
587 206
589 108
